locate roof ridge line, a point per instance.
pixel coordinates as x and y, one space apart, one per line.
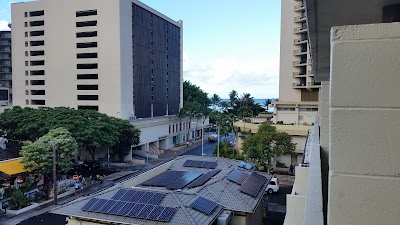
183 208
237 196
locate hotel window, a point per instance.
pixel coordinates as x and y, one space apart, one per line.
26 82
26 34
26 73
26 24
26 44
26 63
26 53
27 102
26 14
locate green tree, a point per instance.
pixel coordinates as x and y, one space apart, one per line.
266 144
266 103
38 156
91 129
215 100
226 150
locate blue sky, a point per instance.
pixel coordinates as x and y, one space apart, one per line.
228 44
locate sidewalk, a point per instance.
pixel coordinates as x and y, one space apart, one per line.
285 180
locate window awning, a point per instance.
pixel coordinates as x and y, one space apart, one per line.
12 166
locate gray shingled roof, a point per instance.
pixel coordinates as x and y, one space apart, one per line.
218 189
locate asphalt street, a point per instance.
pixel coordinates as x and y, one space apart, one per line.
208 146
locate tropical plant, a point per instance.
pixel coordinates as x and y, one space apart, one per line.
215 100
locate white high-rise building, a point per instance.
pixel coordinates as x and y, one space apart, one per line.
118 57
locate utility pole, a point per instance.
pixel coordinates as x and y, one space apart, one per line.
218 124
202 138
55 173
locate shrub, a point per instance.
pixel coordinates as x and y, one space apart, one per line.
19 200
281 165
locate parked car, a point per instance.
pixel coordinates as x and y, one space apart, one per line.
273 185
213 138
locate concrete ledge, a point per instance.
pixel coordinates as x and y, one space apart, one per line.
313 212
16 212
367 31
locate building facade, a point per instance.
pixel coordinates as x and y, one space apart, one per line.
353 175
5 70
298 91
121 57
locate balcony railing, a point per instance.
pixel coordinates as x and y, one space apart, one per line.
300 18
298 7
299 52
299 40
314 83
300 29
298 74
298 63
298 85
310 61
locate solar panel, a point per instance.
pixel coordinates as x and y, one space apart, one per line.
120 194
244 165
116 208
156 199
173 179
237 176
145 211
203 178
200 164
253 184
204 205
166 214
131 209
136 210
187 163
96 207
106 207
89 204
127 208
127 195
153 215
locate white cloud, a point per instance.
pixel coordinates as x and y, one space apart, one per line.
259 77
4 25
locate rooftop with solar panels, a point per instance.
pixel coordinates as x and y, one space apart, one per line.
186 190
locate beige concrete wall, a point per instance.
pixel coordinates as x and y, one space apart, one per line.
295 209
255 218
114 38
364 125
73 221
286 92
301 180
324 141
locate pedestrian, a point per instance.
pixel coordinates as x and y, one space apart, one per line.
78 187
291 169
271 171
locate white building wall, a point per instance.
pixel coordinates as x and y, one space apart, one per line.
364 127
114 38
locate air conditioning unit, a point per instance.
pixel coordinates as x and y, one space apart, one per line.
224 218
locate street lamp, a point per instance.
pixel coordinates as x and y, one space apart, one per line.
54 143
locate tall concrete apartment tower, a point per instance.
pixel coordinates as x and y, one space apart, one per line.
298 92
5 70
118 57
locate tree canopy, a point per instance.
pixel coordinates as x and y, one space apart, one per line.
266 144
38 155
90 129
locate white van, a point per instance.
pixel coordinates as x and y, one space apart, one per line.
273 185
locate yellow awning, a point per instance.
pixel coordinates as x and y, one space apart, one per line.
12 166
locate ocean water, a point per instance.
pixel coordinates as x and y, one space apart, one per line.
259 101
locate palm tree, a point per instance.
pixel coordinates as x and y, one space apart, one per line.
215 100
233 97
266 103
224 106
